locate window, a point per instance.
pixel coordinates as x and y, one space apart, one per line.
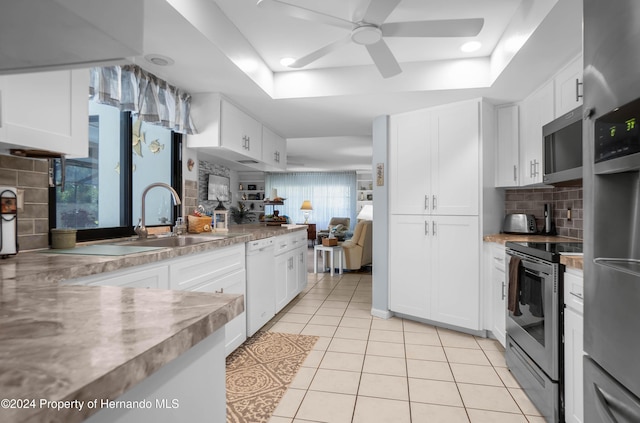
101 194
332 194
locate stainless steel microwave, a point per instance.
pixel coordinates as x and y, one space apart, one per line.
562 144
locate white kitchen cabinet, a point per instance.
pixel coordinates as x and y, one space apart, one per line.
46 111
573 346
146 276
535 111
224 130
274 150
435 156
497 288
445 249
568 87
508 147
291 267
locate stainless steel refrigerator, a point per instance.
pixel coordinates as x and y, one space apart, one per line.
611 154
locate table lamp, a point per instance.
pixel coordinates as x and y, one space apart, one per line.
366 213
306 207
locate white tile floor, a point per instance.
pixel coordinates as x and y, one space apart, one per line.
365 369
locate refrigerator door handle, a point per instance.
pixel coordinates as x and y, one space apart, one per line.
603 406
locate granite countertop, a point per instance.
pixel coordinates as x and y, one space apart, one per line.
569 261
62 342
48 266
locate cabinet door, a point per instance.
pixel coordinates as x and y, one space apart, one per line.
569 87
46 110
573 354
282 270
240 132
410 265
274 149
508 142
410 162
499 295
455 148
455 271
537 111
147 276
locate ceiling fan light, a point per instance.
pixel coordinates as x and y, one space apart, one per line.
471 46
287 61
366 35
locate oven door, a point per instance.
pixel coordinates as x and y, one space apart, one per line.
535 324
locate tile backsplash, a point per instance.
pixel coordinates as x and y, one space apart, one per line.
562 199
30 175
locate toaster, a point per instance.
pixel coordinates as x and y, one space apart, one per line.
519 223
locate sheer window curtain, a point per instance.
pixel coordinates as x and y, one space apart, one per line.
332 194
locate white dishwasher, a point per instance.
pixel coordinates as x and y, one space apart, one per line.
261 286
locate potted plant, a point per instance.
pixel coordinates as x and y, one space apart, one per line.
241 214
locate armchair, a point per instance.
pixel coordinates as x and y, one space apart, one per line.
335 221
358 250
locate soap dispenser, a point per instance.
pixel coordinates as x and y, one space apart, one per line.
549 228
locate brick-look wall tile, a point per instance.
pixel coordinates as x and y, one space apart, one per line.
30 175
532 201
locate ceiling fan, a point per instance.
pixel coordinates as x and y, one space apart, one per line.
370 31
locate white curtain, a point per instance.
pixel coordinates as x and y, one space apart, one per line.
332 194
131 88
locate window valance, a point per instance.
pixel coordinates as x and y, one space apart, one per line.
133 89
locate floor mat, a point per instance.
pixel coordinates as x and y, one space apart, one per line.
259 372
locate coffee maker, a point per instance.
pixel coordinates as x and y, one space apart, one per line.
8 221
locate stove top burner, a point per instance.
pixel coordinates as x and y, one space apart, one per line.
549 251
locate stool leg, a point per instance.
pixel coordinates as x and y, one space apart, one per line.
340 258
315 260
331 260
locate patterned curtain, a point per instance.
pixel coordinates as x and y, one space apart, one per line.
131 88
332 194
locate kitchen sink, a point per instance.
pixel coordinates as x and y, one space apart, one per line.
174 241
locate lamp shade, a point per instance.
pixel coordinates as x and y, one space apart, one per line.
366 213
306 205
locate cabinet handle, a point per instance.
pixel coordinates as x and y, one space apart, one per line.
248 143
433 228
530 168
426 228
515 173
426 202
576 295
503 294
221 291
434 202
578 95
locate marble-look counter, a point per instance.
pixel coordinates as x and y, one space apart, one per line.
51 267
63 343
569 261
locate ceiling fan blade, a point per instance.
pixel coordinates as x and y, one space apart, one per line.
379 10
439 28
312 57
384 59
304 13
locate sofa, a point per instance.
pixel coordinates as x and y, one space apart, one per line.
358 249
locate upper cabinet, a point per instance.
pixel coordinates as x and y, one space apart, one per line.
46 111
508 148
435 153
274 150
228 132
568 84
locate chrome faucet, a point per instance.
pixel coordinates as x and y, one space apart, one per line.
140 228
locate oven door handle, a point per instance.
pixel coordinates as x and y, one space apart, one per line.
532 267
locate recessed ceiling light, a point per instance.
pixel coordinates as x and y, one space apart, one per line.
286 61
159 60
471 46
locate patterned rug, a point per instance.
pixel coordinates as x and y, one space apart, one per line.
259 372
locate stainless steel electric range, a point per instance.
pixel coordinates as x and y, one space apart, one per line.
534 350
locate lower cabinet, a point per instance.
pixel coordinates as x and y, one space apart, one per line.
496 287
291 267
434 271
573 346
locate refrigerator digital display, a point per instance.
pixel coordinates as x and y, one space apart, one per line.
617 133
